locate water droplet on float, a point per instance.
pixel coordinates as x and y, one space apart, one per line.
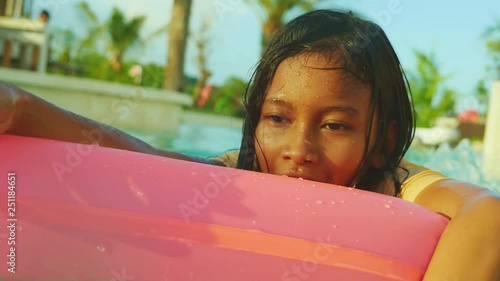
411 213
342 201
314 213
101 248
387 206
334 226
301 179
194 173
355 193
254 222
392 212
357 240
332 203
319 202
307 205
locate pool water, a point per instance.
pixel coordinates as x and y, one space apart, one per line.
461 162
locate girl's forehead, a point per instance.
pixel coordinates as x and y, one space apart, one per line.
314 73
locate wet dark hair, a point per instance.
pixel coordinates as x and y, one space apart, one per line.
364 50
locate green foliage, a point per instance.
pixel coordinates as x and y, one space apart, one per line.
431 99
228 98
273 13
100 54
492 35
482 95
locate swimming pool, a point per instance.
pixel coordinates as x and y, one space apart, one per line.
461 162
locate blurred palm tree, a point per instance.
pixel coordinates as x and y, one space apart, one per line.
492 35
430 98
178 33
273 12
118 33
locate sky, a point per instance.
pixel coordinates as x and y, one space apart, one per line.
450 29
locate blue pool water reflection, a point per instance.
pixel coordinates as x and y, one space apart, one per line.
460 162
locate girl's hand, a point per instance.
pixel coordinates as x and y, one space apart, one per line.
9 101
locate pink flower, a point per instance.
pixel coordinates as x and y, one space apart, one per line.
469 115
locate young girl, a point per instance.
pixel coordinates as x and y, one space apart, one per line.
328 102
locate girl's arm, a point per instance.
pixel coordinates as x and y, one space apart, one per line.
25 114
469 248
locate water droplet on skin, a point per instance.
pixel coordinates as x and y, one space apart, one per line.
319 202
387 206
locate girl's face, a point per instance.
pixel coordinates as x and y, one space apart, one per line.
314 122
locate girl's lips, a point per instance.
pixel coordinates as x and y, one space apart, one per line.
298 176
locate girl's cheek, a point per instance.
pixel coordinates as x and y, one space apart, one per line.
267 136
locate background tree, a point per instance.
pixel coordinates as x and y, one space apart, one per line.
178 32
117 35
431 98
272 14
492 35
123 34
202 40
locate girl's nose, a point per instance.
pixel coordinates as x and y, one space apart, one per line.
301 147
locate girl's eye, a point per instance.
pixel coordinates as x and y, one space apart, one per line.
276 119
335 126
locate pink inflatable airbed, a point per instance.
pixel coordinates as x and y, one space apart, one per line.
84 212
